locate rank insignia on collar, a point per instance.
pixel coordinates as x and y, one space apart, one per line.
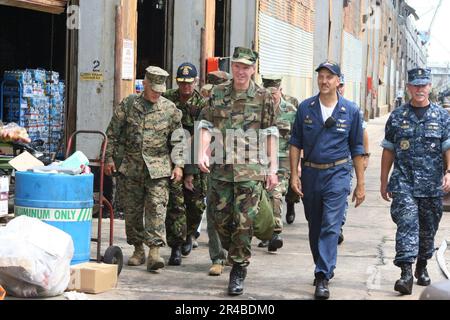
404 145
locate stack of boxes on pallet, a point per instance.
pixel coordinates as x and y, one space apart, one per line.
34 99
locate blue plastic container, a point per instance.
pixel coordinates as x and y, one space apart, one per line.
63 201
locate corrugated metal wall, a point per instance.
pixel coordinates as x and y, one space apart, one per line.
285 48
352 66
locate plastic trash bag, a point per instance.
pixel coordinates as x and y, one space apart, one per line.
34 258
13 132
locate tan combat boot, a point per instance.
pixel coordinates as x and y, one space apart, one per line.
216 269
154 261
138 257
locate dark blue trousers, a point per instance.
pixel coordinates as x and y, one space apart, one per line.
417 221
325 195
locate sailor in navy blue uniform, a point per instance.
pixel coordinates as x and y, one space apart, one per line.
417 143
328 128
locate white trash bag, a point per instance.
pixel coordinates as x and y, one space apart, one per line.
34 258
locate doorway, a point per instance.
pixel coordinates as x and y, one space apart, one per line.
222 33
154 35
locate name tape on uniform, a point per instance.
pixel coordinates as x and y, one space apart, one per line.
60 215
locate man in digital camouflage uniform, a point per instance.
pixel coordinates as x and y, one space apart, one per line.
241 111
417 142
284 119
146 126
187 198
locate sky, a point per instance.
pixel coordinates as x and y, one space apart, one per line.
439 45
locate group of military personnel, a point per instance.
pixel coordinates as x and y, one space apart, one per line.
165 183
163 204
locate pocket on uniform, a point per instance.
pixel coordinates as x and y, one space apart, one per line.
433 140
284 127
433 134
220 116
405 133
252 116
161 126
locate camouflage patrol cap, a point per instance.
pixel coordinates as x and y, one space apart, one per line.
244 55
157 78
217 77
419 76
207 87
273 81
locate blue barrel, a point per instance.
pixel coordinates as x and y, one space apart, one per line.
61 200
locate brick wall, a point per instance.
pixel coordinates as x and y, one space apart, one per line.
352 19
298 13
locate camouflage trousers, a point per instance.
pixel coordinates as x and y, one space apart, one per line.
232 203
276 197
217 253
417 221
185 209
144 201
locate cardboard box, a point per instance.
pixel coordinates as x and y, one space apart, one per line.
25 161
92 277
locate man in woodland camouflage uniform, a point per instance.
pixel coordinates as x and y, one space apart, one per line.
187 198
284 119
238 109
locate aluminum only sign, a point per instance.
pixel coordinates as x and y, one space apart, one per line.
58 215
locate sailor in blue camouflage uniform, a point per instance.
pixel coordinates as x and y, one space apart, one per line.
328 128
416 140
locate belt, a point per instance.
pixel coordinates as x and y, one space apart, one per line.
324 166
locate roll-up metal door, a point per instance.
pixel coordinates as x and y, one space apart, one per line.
352 66
284 49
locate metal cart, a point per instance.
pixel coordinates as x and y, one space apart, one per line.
113 255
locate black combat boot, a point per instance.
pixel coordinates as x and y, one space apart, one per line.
175 256
405 283
421 273
322 292
186 248
275 243
237 277
341 236
290 212
263 244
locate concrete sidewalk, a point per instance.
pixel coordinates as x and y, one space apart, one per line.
364 269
